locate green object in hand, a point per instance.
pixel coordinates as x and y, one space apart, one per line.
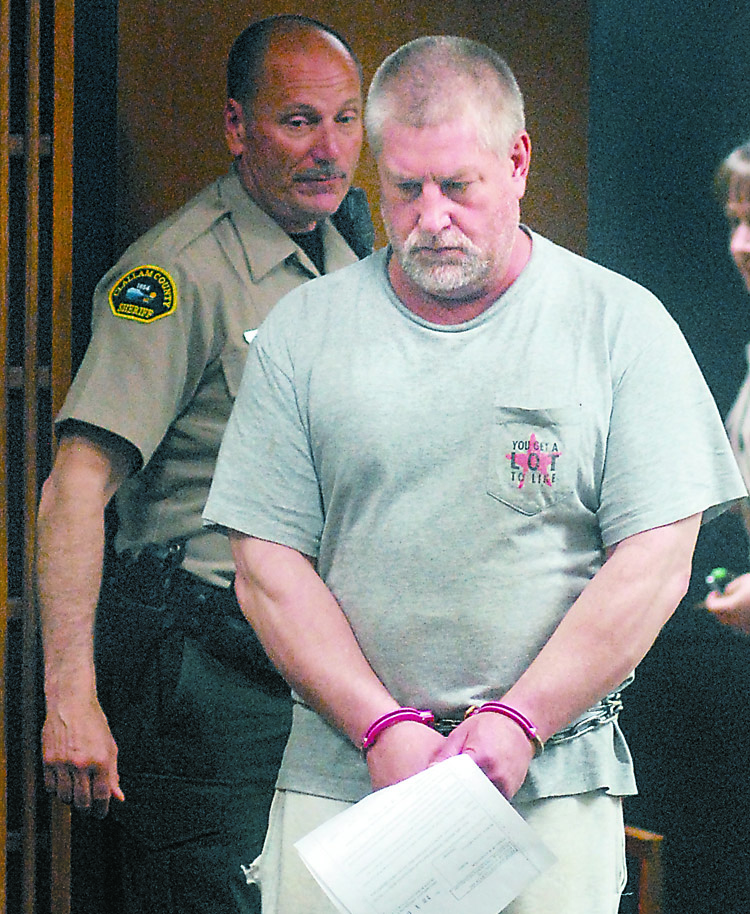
718 578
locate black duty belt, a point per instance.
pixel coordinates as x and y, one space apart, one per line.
176 599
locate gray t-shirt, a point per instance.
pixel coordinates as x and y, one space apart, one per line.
458 485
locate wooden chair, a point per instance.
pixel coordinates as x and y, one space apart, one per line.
644 848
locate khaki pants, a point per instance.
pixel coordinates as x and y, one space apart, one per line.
585 833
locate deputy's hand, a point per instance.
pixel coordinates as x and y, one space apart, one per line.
733 606
401 751
80 757
498 746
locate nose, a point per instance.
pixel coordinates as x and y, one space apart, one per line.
434 209
327 146
740 240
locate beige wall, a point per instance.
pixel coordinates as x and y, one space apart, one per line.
172 58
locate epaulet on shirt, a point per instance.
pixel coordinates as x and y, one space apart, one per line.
147 291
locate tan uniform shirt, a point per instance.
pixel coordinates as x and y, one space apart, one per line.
738 426
738 429
167 352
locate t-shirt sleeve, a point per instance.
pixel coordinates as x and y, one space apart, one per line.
265 484
667 454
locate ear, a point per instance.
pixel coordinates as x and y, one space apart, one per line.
520 156
234 127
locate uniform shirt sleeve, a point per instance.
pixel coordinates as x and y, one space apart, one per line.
137 374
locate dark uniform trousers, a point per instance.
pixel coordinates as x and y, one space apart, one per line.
201 720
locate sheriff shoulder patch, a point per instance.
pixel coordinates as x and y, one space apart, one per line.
144 294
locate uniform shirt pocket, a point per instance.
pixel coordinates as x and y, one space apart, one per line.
233 365
533 456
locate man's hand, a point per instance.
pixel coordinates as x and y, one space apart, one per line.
733 606
401 751
79 754
498 746
80 758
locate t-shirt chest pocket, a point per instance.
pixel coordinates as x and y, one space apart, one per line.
533 456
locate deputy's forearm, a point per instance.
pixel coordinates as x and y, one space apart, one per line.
307 636
69 557
609 628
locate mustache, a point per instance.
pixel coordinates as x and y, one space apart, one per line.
448 239
320 173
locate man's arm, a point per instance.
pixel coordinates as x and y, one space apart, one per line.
309 640
601 639
79 754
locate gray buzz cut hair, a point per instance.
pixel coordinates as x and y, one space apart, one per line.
431 80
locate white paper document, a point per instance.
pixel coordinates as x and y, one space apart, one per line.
445 841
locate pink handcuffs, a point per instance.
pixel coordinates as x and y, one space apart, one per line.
427 717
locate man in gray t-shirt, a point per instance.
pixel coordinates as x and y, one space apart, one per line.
481 487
